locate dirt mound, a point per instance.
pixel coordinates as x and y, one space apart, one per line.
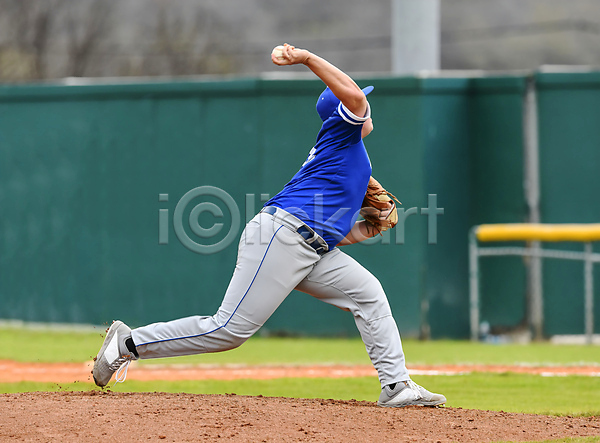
109 416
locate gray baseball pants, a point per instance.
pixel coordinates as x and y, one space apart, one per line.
273 259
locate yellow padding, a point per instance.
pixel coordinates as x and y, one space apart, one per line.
539 232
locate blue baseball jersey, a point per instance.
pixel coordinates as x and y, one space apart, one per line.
327 192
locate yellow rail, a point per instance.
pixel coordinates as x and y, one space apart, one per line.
538 232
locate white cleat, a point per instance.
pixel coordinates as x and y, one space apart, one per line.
408 393
113 355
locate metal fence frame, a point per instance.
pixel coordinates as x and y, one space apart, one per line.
587 256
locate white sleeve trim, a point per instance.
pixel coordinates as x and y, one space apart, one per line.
348 116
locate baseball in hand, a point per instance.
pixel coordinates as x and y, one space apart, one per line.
278 52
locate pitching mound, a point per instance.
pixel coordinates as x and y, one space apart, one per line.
108 416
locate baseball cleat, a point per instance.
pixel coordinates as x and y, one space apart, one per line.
408 393
113 355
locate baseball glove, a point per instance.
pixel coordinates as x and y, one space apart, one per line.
379 207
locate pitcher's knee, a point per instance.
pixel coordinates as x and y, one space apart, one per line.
236 330
223 340
372 303
369 283
372 291
236 340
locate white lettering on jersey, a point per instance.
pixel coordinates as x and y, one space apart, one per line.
311 155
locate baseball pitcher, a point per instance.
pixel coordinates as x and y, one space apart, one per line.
293 243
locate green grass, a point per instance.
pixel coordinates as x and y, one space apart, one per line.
575 396
49 346
54 346
455 352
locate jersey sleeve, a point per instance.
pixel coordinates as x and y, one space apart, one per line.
351 118
343 128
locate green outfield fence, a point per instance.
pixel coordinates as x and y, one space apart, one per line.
91 176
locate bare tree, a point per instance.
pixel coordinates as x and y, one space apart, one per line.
175 40
27 27
33 30
86 24
198 43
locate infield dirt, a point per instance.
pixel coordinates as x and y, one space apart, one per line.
108 416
